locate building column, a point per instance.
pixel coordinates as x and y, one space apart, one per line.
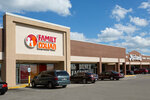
60 66
140 65
129 66
99 67
124 68
117 67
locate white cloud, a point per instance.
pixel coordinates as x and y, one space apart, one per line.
62 7
119 13
143 34
127 29
109 34
138 21
145 5
135 43
77 36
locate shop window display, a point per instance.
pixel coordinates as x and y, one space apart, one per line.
22 71
83 68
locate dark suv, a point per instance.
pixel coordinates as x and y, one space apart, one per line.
83 77
52 79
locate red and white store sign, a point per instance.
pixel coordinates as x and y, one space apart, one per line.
41 41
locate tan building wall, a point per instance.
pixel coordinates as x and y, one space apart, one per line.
15 28
1 45
1 40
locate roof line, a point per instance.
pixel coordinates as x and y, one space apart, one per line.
35 20
98 44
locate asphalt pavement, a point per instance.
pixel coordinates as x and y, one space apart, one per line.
130 88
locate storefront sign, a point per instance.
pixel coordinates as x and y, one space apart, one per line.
43 42
29 70
135 58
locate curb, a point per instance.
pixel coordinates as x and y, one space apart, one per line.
20 86
130 75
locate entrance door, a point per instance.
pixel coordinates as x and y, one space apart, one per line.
17 74
42 67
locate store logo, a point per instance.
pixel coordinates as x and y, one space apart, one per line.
135 58
42 42
31 41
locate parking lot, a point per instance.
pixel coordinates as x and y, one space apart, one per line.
130 88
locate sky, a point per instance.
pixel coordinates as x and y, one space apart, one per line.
121 23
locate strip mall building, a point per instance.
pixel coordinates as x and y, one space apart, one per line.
28 43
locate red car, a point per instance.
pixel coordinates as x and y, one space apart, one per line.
141 71
110 75
83 77
3 88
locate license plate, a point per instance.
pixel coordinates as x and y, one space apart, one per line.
64 79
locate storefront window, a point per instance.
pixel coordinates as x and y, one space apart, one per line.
22 71
83 68
34 70
50 66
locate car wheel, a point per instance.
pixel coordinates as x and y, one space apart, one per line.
33 84
64 86
117 78
102 79
2 93
93 81
111 78
50 85
84 81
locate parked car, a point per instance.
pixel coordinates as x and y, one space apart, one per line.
3 88
110 75
95 76
83 77
148 70
129 72
52 79
141 71
122 73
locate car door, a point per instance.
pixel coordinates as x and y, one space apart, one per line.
37 79
43 79
107 75
80 77
74 78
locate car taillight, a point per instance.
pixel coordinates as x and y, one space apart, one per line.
91 76
56 78
4 85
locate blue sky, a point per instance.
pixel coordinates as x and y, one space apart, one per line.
122 23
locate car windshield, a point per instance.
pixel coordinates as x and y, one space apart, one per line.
114 72
89 73
62 73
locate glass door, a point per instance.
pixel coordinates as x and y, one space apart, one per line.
17 74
